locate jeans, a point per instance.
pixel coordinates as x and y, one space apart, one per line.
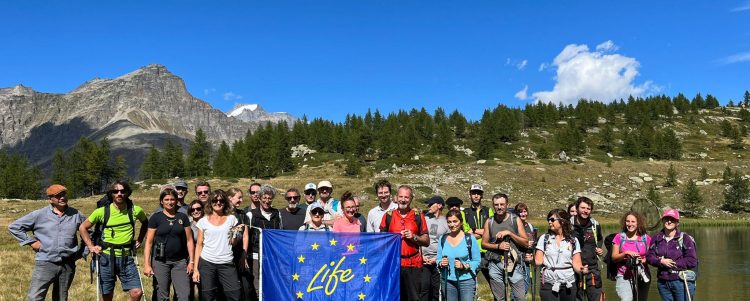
625 289
213 276
674 290
58 274
516 279
174 273
462 290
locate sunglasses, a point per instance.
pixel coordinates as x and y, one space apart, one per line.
195 210
220 203
670 221
203 192
251 192
116 191
552 219
317 213
289 198
310 192
325 189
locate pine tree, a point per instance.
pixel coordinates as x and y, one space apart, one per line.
120 168
571 140
737 139
654 197
458 123
692 200
737 194
485 143
223 161
151 166
283 148
442 142
704 174
59 168
353 166
726 128
746 100
727 175
671 177
671 145
607 137
19 178
199 156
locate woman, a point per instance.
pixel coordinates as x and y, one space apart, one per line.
523 213
316 220
673 252
559 254
216 234
239 249
173 252
460 260
195 211
347 222
629 253
572 210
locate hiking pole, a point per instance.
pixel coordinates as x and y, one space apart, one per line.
143 287
687 289
505 269
96 274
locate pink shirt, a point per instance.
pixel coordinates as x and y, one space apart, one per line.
342 224
635 245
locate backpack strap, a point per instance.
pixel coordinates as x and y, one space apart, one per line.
467 239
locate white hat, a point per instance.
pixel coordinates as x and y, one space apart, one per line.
310 186
476 187
325 184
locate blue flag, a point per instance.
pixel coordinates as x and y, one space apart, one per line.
322 265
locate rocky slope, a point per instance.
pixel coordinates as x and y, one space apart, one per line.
255 113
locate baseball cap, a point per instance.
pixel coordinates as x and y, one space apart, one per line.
453 201
165 187
476 187
55 189
315 207
435 200
325 184
673 213
310 186
181 183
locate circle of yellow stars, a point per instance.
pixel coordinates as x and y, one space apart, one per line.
350 247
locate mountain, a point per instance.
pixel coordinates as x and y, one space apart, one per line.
134 111
255 113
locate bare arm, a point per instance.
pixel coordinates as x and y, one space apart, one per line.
198 249
147 269
486 244
190 248
83 230
577 262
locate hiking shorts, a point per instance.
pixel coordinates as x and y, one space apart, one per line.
125 270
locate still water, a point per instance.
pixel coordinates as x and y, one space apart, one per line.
724 264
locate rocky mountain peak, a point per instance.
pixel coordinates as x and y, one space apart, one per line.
255 113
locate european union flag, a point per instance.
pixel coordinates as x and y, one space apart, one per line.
321 265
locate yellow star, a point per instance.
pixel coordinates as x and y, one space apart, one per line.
367 278
350 247
315 246
361 296
299 295
362 260
301 258
295 276
333 241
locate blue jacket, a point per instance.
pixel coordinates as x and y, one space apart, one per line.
57 234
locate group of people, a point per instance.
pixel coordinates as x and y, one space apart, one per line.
209 248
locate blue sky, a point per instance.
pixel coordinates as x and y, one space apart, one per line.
329 58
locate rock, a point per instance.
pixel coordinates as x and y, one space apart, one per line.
563 156
637 180
611 195
702 132
594 130
598 199
301 150
643 174
462 149
562 122
650 159
481 161
702 120
610 155
648 179
525 134
703 155
541 169
700 183
416 158
605 184
601 120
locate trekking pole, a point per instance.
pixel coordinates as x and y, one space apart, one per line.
143 287
96 274
533 281
687 289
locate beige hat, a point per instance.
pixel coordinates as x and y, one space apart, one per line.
325 184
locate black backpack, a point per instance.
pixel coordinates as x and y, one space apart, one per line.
99 228
611 265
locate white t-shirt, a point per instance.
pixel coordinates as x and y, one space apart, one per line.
216 247
375 216
558 260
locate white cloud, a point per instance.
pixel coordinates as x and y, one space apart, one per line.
593 75
507 61
522 64
742 7
209 91
232 96
542 67
737 58
607 46
522 94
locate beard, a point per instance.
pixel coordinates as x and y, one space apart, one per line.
403 206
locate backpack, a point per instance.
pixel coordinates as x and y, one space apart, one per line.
681 243
99 228
467 239
546 242
417 220
307 227
611 265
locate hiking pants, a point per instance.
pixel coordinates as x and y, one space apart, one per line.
594 290
411 283
215 276
430 290
168 273
625 289
58 274
674 290
516 279
564 294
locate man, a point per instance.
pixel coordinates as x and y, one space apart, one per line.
326 200
411 224
359 216
589 234
454 203
503 235
375 216
262 217
118 243
253 191
293 216
181 187
203 191
54 243
474 218
437 227
310 192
